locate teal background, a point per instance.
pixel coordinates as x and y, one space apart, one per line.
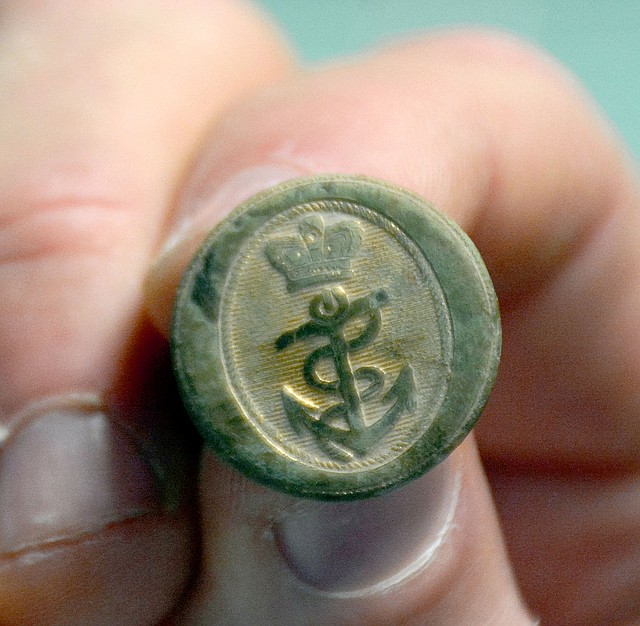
598 40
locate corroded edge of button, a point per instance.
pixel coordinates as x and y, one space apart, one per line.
472 306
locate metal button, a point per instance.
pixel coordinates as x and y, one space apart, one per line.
335 337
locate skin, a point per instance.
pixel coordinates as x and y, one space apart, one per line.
119 123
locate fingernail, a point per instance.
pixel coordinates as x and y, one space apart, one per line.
354 546
202 207
69 471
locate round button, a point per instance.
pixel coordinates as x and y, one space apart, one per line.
335 337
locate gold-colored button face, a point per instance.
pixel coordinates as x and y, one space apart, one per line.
337 372
316 344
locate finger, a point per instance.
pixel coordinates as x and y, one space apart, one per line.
101 104
430 552
509 146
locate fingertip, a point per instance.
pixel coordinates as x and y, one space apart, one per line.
204 203
430 552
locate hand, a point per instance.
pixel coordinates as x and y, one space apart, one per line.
128 130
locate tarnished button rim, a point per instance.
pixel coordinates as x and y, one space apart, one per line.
469 294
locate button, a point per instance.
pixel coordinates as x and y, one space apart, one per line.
335 337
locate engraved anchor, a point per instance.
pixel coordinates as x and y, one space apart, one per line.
330 312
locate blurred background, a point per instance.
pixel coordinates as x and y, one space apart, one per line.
599 40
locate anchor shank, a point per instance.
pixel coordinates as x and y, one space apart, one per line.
347 382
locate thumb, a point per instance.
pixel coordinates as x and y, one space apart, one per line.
431 552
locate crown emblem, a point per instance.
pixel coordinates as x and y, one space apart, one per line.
319 254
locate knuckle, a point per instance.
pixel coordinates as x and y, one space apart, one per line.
499 49
70 275
72 226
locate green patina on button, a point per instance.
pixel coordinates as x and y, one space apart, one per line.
335 336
